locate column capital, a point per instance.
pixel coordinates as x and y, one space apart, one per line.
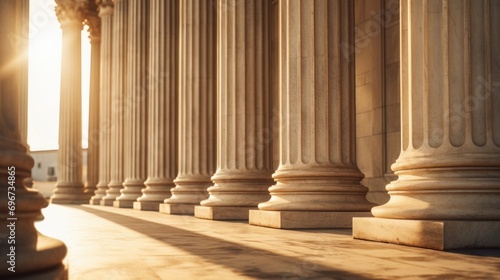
105 7
71 11
94 23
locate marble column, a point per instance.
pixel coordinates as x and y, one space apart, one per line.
447 195
318 182
94 23
21 43
244 132
69 186
36 256
106 15
117 102
162 105
136 104
197 91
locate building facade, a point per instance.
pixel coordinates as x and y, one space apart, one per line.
377 115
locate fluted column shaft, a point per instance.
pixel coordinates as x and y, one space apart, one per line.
449 166
317 170
69 186
105 126
197 70
162 104
447 195
21 44
244 134
135 171
36 256
94 23
117 105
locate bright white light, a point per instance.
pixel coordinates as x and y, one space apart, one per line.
45 77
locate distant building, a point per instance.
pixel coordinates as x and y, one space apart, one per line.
45 168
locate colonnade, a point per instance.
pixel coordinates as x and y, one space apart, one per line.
186 117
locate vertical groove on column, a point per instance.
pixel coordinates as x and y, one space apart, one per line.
22 54
457 71
433 63
478 51
162 118
318 170
403 28
453 175
106 15
244 167
197 71
136 103
94 26
416 37
494 81
117 102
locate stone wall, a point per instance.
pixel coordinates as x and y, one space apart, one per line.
377 92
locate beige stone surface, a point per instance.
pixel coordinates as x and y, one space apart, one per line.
94 27
317 170
136 109
118 86
146 205
177 209
69 186
377 91
125 244
438 235
163 103
105 94
244 146
222 212
197 101
123 203
449 166
304 219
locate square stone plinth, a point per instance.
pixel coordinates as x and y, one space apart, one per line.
123 203
222 213
94 201
438 235
107 202
147 205
304 219
69 201
177 209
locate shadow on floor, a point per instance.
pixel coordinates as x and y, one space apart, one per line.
245 260
495 253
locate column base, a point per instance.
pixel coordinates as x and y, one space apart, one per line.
59 272
222 212
107 202
69 201
177 209
147 205
43 261
123 203
304 219
431 234
95 201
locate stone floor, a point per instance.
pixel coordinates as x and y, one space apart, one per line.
110 243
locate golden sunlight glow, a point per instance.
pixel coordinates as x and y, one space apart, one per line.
45 76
